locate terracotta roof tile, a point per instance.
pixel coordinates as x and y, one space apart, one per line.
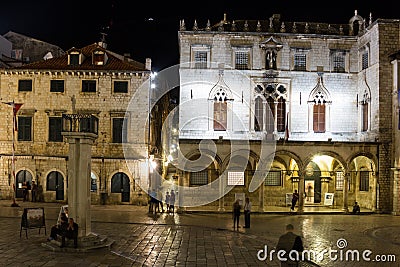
61 63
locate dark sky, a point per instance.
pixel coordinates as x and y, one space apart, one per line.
149 29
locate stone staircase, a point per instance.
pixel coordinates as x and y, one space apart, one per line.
85 243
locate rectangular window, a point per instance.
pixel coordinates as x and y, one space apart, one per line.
365 60
74 59
24 85
200 59
89 86
319 118
235 178
300 62
274 178
24 128
120 86
339 180
339 61
98 58
364 181
55 129
57 86
119 131
242 60
199 178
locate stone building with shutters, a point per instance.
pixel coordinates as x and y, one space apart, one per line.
89 80
321 97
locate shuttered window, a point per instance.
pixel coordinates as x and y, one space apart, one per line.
220 116
319 118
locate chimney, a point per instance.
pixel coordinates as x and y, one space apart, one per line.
127 56
148 64
103 43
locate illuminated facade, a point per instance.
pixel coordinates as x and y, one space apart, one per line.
90 80
322 92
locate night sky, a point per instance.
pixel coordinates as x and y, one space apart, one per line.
149 29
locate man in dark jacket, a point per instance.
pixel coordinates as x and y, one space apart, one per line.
290 242
71 233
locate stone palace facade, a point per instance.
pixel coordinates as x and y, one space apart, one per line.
322 98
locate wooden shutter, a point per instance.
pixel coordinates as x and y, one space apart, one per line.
281 115
220 116
365 117
319 118
270 120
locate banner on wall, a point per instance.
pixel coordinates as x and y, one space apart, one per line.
328 200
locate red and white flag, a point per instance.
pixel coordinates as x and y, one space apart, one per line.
16 107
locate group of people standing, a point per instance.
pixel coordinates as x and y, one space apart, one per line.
26 186
236 210
156 201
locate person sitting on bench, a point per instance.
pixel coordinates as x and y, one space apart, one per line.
71 232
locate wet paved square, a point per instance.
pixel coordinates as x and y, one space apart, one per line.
197 239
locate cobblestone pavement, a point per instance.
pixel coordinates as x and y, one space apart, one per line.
199 239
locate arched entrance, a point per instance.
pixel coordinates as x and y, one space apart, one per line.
120 184
22 177
55 182
312 184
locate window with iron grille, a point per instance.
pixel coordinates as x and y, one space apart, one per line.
55 129
300 62
235 178
24 85
365 60
339 180
273 178
199 178
24 128
200 59
339 62
89 86
241 60
364 181
57 86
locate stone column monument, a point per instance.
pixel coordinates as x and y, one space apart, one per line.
79 172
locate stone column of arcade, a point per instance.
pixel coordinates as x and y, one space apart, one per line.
301 191
396 191
346 192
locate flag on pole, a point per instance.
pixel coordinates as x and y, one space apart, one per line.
287 127
16 107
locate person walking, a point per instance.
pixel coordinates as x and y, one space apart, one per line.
290 242
236 214
172 201
247 210
295 197
167 200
